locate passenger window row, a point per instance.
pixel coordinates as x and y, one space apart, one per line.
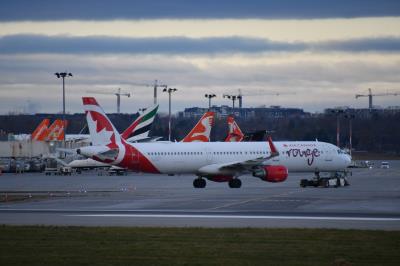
201 153
175 153
239 152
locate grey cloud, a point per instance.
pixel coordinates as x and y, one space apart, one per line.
91 69
382 44
101 70
326 82
18 10
13 44
27 44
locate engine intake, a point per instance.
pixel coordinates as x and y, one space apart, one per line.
272 173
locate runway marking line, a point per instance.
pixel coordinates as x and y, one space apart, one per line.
254 200
337 218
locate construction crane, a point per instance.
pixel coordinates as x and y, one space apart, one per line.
118 94
259 93
155 85
370 96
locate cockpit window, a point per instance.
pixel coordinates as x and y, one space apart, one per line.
341 152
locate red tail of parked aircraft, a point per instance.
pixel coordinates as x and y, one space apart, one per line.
201 131
40 132
235 134
56 130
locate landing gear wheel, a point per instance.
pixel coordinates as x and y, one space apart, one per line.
337 182
196 183
235 183
202 183
199 183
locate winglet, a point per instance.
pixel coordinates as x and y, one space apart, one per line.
274 151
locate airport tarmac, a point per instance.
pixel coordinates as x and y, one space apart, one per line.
372 201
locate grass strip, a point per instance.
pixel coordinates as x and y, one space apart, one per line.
39 245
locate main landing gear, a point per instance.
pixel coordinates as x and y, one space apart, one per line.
337 179
199 183
235 183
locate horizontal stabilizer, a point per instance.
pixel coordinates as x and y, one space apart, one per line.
108 155
69 151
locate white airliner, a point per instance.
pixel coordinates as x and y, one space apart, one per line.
215 161
139 130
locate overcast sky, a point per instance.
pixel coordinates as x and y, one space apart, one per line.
316 54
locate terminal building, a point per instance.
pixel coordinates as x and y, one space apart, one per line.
224 110
363 112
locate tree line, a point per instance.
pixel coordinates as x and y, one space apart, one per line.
375 133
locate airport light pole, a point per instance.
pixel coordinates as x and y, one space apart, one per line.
209 96
170 91
350 117
63 75
337 112
233 98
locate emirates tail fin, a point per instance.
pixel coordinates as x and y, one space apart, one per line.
40 132
234 134
140 128
202 130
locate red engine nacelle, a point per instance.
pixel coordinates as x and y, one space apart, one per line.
220 178
272 173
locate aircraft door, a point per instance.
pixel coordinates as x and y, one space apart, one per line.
329 155
209 155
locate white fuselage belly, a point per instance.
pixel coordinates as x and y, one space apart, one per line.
176 158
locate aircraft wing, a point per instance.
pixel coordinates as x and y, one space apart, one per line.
240 166
246 165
